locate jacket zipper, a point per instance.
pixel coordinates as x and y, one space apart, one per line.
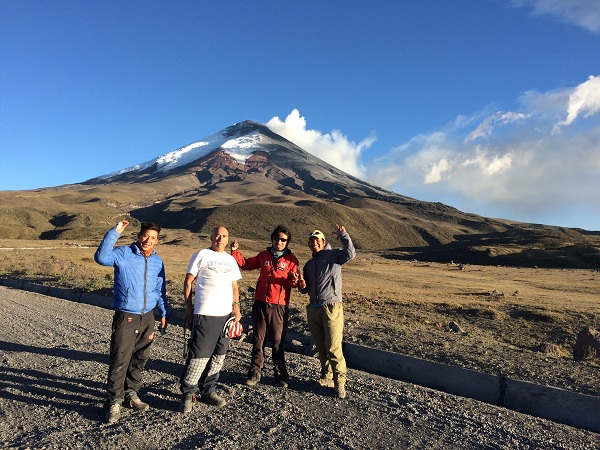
145 282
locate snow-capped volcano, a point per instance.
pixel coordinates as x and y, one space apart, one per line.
244 149
239 147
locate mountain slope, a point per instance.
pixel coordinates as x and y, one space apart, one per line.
250 148
251 179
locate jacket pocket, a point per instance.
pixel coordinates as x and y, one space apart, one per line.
118 319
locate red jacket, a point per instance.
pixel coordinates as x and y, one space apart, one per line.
273 285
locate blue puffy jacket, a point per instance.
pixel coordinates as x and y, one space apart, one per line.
140 283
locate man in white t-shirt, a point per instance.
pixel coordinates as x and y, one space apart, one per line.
217 298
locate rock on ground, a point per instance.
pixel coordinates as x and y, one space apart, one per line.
54 356
588 344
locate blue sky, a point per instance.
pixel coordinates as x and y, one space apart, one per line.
490 106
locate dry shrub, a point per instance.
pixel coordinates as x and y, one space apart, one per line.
553 350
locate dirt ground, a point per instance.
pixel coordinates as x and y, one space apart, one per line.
521 323
53 365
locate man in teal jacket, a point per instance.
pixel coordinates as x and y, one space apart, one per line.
139 288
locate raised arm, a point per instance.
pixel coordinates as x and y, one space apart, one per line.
104 254
348 252
243 263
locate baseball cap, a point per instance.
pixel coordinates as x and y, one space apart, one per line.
316 233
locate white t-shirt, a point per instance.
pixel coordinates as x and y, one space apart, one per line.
214 274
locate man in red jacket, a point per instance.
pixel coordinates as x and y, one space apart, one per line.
278 275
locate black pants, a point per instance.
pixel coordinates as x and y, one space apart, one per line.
130 342
272 320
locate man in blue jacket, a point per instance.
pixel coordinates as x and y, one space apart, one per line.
322 280
139 287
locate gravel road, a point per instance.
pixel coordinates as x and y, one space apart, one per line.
54 356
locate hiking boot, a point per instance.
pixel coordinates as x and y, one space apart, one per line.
281 382
214 399
340 390
185 405
253 378
325 382
114 413
133 401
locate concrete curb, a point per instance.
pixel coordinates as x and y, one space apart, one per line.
73 295
442 377
96 300
558 405
37 288
9 282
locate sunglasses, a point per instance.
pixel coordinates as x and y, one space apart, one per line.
280 239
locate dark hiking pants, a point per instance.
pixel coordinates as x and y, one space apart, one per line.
269 320
130 342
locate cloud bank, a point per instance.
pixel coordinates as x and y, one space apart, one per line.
539 162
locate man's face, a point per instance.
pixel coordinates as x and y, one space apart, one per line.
219 239
148 240
280 241
316 244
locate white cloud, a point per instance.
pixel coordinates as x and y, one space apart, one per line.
585 100
333 147
424 159
437 170
582 13
490 164
546 105
486 128
520 172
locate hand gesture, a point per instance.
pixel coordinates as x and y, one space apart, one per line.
301 281
293 277
234 245
339 229
121 226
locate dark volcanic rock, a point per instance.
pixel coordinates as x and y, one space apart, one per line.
587 344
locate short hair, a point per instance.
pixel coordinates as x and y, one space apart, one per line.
145 226
282 229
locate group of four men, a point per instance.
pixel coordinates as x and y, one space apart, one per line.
211 278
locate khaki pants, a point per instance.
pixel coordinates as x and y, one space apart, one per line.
326 325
